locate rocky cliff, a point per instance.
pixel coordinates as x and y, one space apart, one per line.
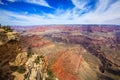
9 49
19 64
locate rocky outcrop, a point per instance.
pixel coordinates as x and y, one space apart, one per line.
3 36
20 59
16 64
7 36
9 49
37 68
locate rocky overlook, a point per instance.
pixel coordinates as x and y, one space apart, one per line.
17 63
9 49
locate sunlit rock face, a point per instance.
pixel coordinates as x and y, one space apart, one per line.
13 36
37 68
3 36
20 59
7 36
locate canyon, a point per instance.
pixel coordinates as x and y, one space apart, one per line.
64 52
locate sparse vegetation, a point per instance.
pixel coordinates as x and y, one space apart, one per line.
51 75
37 60
0 26
13 68
29 51
6 28
21 69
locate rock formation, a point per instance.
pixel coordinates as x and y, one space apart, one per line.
16 64
9 49
37 68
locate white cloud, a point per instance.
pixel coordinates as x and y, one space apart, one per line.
38 2
102 5
104 13
80 3
98 16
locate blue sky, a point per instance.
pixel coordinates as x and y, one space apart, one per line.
43 12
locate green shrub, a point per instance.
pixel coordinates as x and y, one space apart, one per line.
37 60
21 69
51 75
29 52
7 29
14 68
